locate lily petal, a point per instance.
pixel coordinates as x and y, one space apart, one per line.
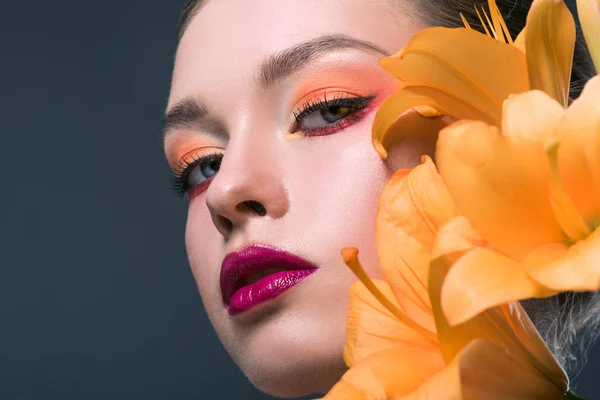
500 183
550 43
531 115
482 279
479 278
411 208
503 377
589 18
508 325
574 269
389 125
436 72
578 134
371 328
388 375
492 324
445 384
442 58
520 41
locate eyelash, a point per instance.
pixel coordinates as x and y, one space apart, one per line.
358 106
179 182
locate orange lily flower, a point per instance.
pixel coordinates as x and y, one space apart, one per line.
465 74
400 345
537 210
532 191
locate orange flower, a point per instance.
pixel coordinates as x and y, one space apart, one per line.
465 74
512 214
532 191
400 345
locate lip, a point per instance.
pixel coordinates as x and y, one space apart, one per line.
257 258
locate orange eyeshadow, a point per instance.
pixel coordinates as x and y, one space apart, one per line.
187 147
347 80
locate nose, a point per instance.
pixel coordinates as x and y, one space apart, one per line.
248 185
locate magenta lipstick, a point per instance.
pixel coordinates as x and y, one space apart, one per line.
258 273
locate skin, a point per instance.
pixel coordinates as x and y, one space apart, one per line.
320 193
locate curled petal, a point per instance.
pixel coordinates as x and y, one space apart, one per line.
550 42
438 72
500 184
372 328
507 325
446 59
390 124
482 279
559 268
478 278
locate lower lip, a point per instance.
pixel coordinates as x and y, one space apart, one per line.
265 289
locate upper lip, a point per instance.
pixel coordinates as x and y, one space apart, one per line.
238 265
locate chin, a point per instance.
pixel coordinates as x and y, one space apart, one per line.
288 357
290 377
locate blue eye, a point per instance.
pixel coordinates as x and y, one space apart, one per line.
203 170
196 173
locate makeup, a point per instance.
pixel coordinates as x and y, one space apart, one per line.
194 174
332 96
330 116
258 273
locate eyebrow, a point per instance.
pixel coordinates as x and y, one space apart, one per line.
283 64
190 111
187 113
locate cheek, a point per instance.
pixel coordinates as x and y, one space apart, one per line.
203 244
337 190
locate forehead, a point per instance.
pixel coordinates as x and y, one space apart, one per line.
227 39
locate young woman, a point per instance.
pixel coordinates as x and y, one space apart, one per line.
268 132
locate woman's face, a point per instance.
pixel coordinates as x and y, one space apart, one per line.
269 118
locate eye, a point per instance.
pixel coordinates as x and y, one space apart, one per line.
325 116
196 174
202 171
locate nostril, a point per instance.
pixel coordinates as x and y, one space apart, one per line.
253 205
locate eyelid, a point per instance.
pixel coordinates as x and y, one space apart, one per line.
190 156
321 94
320 97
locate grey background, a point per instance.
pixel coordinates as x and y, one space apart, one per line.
96 297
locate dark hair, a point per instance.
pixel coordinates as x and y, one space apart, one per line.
190 9
568 322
